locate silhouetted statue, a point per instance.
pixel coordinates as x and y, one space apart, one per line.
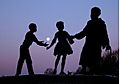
24 50
96 38
63 47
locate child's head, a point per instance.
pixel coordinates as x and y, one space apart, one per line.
95 12
60 25
33 27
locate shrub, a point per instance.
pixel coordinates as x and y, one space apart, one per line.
110 63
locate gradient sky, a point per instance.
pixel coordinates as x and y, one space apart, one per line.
15 16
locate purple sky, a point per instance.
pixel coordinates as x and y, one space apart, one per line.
15 17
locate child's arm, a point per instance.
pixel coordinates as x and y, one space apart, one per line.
53 41
69 38
40 43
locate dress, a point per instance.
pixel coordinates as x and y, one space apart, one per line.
63 46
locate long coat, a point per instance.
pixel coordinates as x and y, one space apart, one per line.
96 37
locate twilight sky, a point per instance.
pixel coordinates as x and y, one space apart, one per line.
15 16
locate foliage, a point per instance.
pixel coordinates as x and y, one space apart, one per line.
48 71
110 63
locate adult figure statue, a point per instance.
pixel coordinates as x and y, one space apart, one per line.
96 39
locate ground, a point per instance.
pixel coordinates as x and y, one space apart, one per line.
60 79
